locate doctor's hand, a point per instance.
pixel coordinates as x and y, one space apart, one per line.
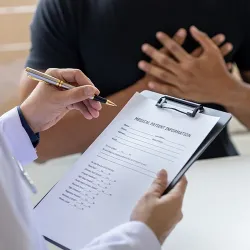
161 213
47 104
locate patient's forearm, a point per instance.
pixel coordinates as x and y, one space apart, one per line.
239 102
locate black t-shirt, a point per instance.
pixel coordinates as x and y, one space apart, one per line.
103 38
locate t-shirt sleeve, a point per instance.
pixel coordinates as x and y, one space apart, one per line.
54 41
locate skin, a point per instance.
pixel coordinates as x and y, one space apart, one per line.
54 143
47 104
161 213
202 79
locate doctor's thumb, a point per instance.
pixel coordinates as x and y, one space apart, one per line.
79 94
159 185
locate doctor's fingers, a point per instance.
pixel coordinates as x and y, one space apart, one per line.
91 106
178 192
94 104
77 94
159 185
83 109
74 76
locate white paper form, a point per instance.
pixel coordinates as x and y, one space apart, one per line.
102 188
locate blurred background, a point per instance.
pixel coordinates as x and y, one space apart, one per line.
15 17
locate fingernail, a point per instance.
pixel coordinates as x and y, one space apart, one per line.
160 34
145 47
151 85
230 46
222 38
142 65
161 172
181 32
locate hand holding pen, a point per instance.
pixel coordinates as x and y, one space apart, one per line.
39 76
46 105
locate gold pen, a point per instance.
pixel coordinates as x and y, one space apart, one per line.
39 76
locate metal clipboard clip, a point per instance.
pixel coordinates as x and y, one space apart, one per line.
192 107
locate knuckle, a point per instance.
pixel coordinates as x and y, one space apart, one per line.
163 75
164 60
77 71
147 196
51 71
180 216
84 91
159 185
157 182
188 66
173 47
163 50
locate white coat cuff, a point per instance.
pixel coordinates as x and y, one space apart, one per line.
130 236
17 138
146 237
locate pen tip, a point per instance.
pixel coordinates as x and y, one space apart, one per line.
111 103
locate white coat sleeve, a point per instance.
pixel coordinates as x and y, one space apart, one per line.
16 137
130 236
18 230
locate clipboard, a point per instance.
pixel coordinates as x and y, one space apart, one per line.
192 108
